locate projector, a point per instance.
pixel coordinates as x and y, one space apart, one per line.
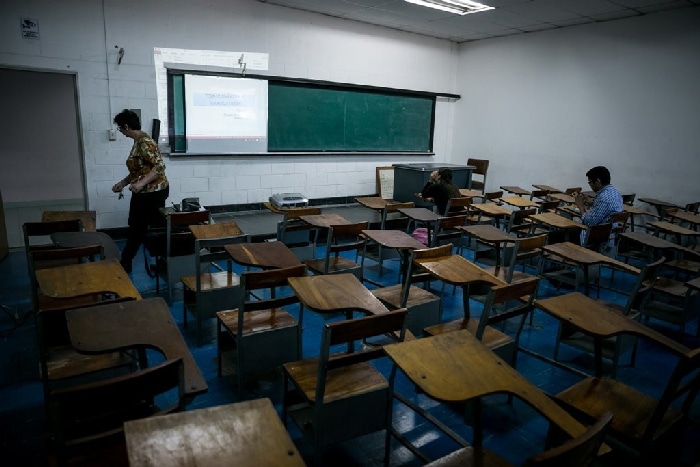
289 200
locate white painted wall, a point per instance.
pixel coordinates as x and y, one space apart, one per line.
78 35
546 107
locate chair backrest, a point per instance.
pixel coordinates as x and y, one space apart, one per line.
517 224
547 206
88 218
581 451
493 196
629 198
481 168
212 251
345 237
347 332
458 206
179 240
597 235
497 306
448 230
539 194
414 273
692 207
643 285
95 411
31 230
525 249
572 190
393 208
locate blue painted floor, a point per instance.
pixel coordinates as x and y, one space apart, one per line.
513 430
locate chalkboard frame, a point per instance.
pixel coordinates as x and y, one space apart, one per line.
177 130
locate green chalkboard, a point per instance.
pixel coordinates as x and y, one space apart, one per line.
310 117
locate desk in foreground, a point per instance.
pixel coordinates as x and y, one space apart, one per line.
333 293
245 433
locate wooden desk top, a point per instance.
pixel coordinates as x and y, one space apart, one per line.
75 280
324 221
467 193
374 202
516 190
396 239
88 218
277 210
657 202
331 293
77 239
684 216
694 284
468 370
563 197
420 214
134 324
672 228
492 209
554 220
458 270
653 241
250 431
591 317
218 230
548 188
519 202
488 233
636 210
584 256
264 255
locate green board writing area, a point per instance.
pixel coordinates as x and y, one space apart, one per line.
306 117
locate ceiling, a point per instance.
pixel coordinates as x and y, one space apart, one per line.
508 18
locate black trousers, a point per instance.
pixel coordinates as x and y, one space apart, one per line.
143 212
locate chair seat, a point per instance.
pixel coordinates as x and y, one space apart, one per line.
632 409
335 265
257 321
470 457
493 338
66 362
212 281
341 382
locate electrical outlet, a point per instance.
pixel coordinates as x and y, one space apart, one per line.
112 135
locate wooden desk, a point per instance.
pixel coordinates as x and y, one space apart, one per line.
468 370
634 211
563 197
676 230
516 190
75 280
548 188
519 202
333 293
492 209
219 230
396 240
585 258
655 243
468 193
375 202
425 217
685 216
138 324
77 239
324 221
457 270
264 255
660 206
248 432
88 218
557 222
593 318
491 235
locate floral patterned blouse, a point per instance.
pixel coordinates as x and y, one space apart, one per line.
144 157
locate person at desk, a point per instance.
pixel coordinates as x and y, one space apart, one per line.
147 183
439 189
607 201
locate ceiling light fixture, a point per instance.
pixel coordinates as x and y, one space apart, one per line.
460 7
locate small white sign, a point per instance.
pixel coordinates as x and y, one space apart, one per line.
29 28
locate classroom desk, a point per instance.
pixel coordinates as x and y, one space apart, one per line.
423 216
324 221
469 193
635 211
396 240
457 270
78 239
375 202
547 188
250 432
468 370
655 243
220 230
563 197
593 318
519 202
492 210
557 222
676 230
659 205
685 216
264 255
142 324
336 293
76 280
584 258
491 235
516 190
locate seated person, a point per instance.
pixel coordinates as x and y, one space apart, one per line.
607 199
439 189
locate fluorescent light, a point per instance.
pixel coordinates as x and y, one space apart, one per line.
460 7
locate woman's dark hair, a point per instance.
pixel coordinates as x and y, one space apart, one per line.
445 175
128 117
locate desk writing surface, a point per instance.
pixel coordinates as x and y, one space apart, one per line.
467 370
519 202
492 209
584 256
554 220
106 276
330 293
420 214
456 269
264 255
654 242
684 216
672 228
325 220
219 230
393 239
248 432
144 323
374 202
548 188
516 190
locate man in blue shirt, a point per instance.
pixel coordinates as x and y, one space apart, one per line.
607 200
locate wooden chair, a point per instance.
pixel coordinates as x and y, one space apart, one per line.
342 238
458 206
448 232
207 292
548 206
263 333
524 251
87 420
692 207
674 302
629 198
540 195
643 425
481 168
392 219
519 224
614 347
503 303
36 234
297 234
174 247
581 451
339 396
88 218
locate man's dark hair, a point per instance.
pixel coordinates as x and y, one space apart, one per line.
601 173
128 117
445 174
